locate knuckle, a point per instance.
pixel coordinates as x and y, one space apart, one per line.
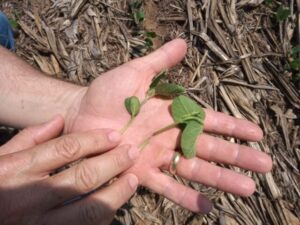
26 132
123 194
68 147
86 180
120 161
99 141
91 213
29 134
218 179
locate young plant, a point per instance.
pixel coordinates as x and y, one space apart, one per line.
186 113
189 117
149 35
282 13
157 88
293 64
138 14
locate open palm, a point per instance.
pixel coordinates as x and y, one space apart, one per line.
102 106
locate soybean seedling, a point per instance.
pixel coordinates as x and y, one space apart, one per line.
188 116
137 12
186 113
157 88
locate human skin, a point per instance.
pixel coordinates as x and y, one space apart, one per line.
32 98
29 195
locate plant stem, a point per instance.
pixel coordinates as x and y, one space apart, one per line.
164 129
146 99
147 140
123 130
144 143
148 96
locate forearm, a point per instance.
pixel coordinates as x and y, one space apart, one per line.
29 97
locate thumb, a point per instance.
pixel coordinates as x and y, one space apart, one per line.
163 58
31 136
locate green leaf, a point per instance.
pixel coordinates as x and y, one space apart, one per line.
169 90
185 109
296 77
268 2
189 137
295 50
149 42
150 34
295 64
139 16
133 105
282 13
156 80
287 67
13 23
136 4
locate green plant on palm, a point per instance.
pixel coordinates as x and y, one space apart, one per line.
186 113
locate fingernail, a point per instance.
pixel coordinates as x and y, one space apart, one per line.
206 207
133 153
133 181
114 136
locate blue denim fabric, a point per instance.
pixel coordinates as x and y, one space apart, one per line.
6 33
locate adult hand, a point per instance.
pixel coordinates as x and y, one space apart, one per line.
28 195
102 106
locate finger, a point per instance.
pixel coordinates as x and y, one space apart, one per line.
163 58
220 123
90 174
178 193
218 150
98 208
205 173
56 153
32 136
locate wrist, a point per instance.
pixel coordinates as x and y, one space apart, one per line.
72 110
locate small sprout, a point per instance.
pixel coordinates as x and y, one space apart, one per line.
157 88
296 77
13 23
185 112
190 116
295 50
133 105
135 4
137 13
169 90
156 80
149 42
282 13
268 2
295 64
150 34
139 16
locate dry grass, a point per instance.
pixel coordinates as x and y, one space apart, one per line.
235 64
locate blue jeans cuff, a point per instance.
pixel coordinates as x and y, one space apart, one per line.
6 33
